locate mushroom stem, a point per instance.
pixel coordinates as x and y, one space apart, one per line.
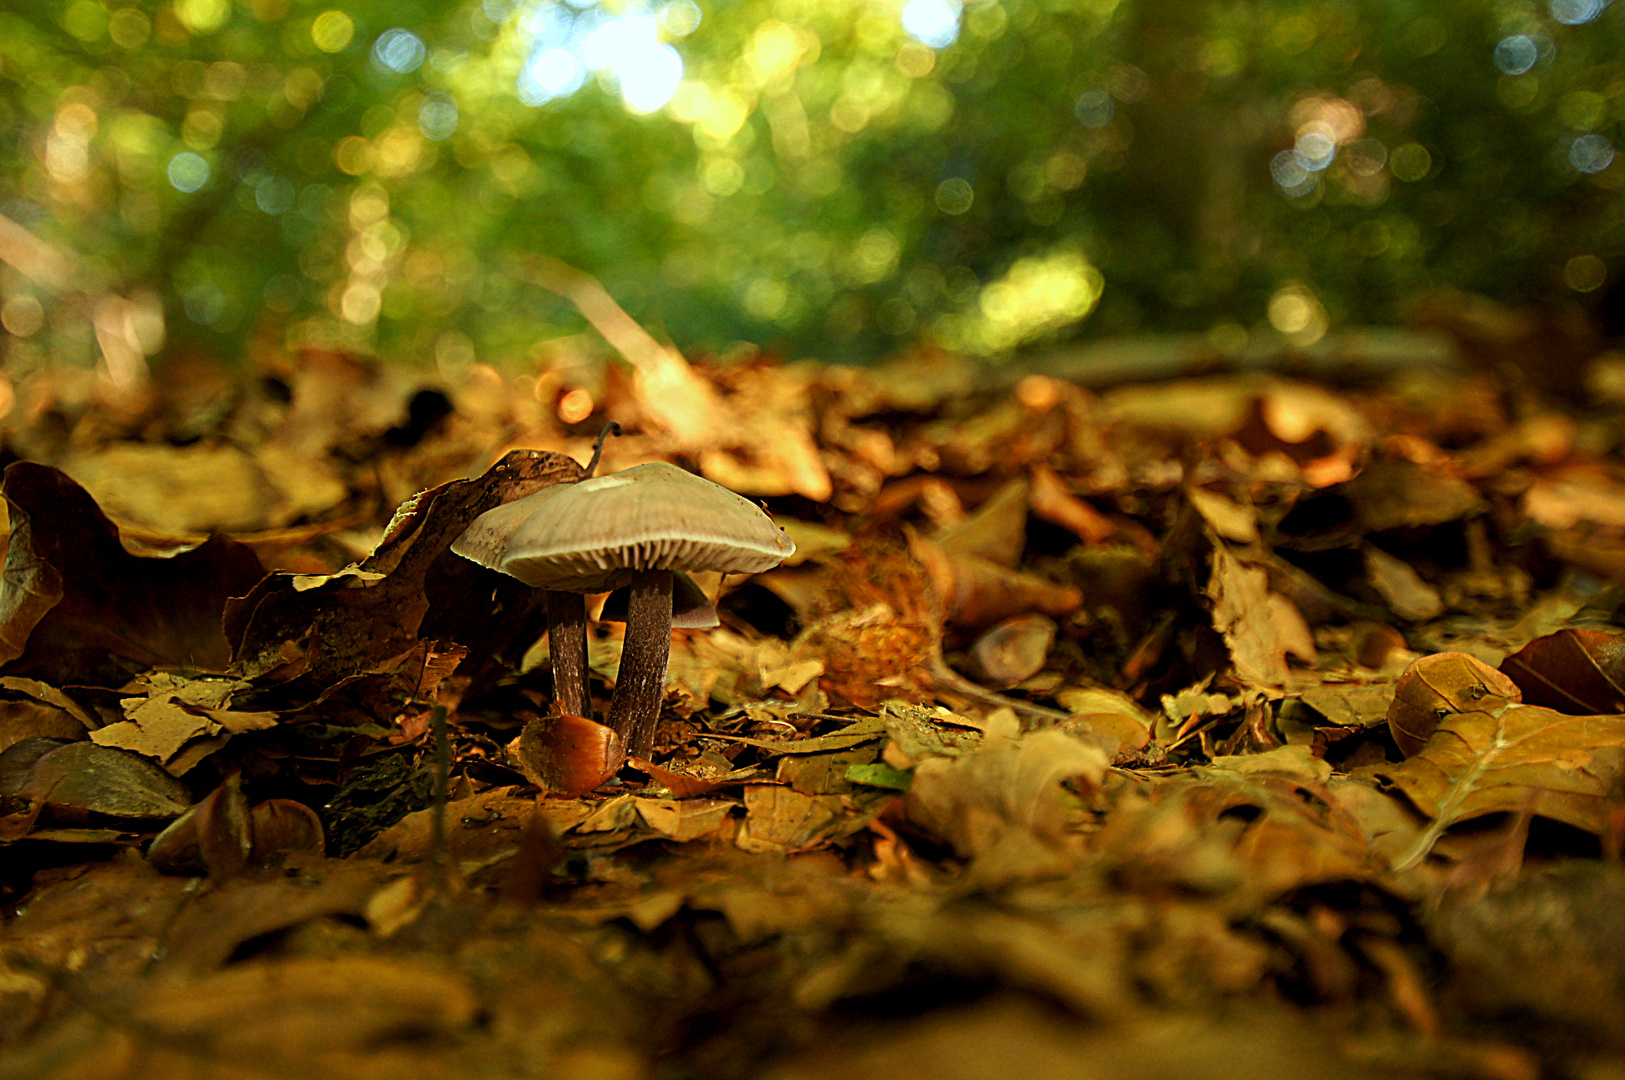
641 684
567 643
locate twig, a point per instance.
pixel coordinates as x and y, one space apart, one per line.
442 775
611 428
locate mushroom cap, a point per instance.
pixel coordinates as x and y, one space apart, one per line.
594 535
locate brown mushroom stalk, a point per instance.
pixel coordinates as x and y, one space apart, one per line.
635 707
567 644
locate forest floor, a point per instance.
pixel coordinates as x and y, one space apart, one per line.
1259 722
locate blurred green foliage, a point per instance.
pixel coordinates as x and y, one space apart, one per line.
821 180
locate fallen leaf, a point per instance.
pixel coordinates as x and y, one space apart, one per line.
410 588
1500 756
1435 686
82 778
1573 670
76 608
1002 805
1260 627
778 819
1406 594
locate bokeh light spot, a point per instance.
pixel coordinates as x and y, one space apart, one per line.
203 16
22 315
955 195
437 118
1093 108
1591 153
1290 175
188 172
649 77
934 22
275 195
398 50
129 28
549 74
204 304
332 31
1516 54
1585 273
680 18
1576 12
1410 162
1297 313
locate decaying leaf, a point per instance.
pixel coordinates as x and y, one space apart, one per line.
354 623
1501 755
1574 671
1441 684
1002 803
76 608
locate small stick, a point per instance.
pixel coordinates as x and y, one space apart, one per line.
442 777
611 428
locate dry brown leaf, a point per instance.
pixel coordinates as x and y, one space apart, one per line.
1435 686
76 608
996 530
1002 804
1406 594
687 819
1501 756
410 588
778 819
1260 627
304 1010
1572 670
1395 493
199 489
1226 517
1052 502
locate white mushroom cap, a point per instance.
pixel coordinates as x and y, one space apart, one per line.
594 535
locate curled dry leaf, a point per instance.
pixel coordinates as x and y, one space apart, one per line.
1441 684
1002 804
76 608
1573 671
410 588
1495 755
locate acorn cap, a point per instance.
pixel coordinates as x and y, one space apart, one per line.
594 535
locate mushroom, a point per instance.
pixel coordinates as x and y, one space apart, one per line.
484 542
634 528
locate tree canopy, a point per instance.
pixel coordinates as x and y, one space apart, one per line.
822 177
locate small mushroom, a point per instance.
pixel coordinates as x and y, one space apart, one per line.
484 542
636 529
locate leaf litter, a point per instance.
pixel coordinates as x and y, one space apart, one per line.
1149 727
